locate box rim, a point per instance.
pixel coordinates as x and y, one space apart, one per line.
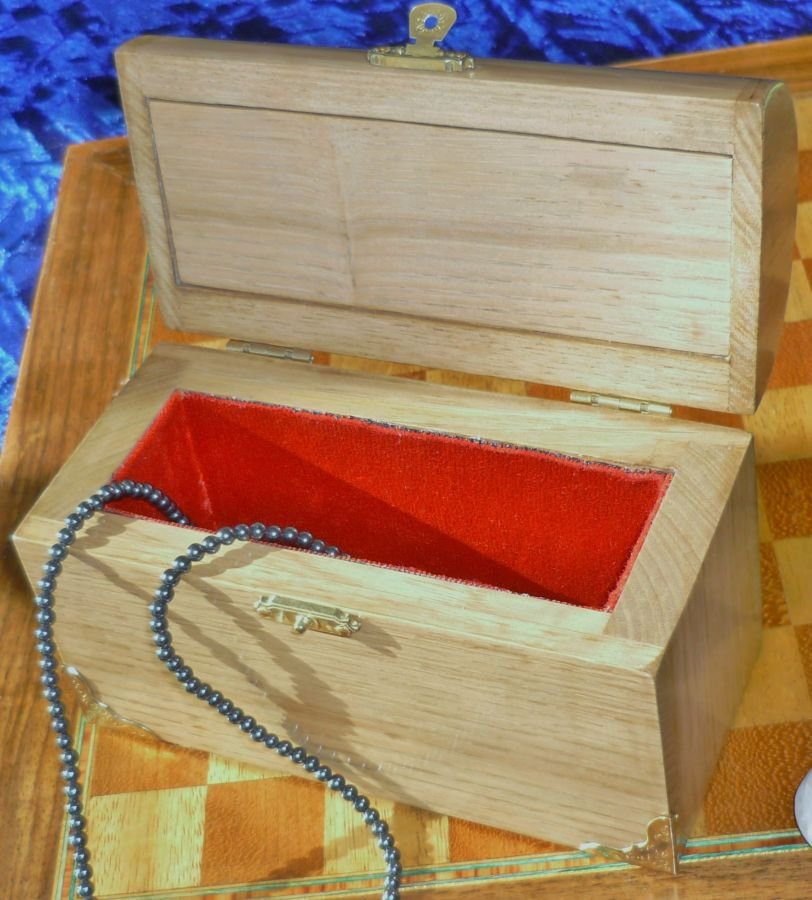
193 368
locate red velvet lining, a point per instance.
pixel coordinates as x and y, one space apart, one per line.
518 519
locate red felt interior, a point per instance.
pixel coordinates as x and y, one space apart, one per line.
513 518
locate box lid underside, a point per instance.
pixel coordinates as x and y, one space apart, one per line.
621 232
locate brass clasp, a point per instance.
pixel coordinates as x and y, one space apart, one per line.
306 616
428 23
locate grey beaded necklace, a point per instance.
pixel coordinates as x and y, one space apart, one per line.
162 638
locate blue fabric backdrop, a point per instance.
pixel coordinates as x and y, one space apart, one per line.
57 84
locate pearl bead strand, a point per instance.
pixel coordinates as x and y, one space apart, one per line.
165 651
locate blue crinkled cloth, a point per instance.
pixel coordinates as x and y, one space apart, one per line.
57 84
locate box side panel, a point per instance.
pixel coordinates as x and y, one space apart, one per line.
779 186
517 737
707 663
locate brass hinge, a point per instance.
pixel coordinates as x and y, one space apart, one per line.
428 23
270 350
608 401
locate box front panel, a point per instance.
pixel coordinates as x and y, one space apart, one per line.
513 736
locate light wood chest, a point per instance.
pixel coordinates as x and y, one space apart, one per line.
559 603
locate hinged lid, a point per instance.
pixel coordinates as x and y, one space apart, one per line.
613 231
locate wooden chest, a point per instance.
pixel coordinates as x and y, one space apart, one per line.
559 603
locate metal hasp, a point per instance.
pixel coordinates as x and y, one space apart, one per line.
660 850
428 23
304 616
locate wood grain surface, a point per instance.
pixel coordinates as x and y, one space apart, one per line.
79 351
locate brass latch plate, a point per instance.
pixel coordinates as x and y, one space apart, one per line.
304 615
428 23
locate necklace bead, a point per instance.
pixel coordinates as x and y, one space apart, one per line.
170 578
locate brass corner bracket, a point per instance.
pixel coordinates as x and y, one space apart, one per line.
428 23
660 850
98 713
